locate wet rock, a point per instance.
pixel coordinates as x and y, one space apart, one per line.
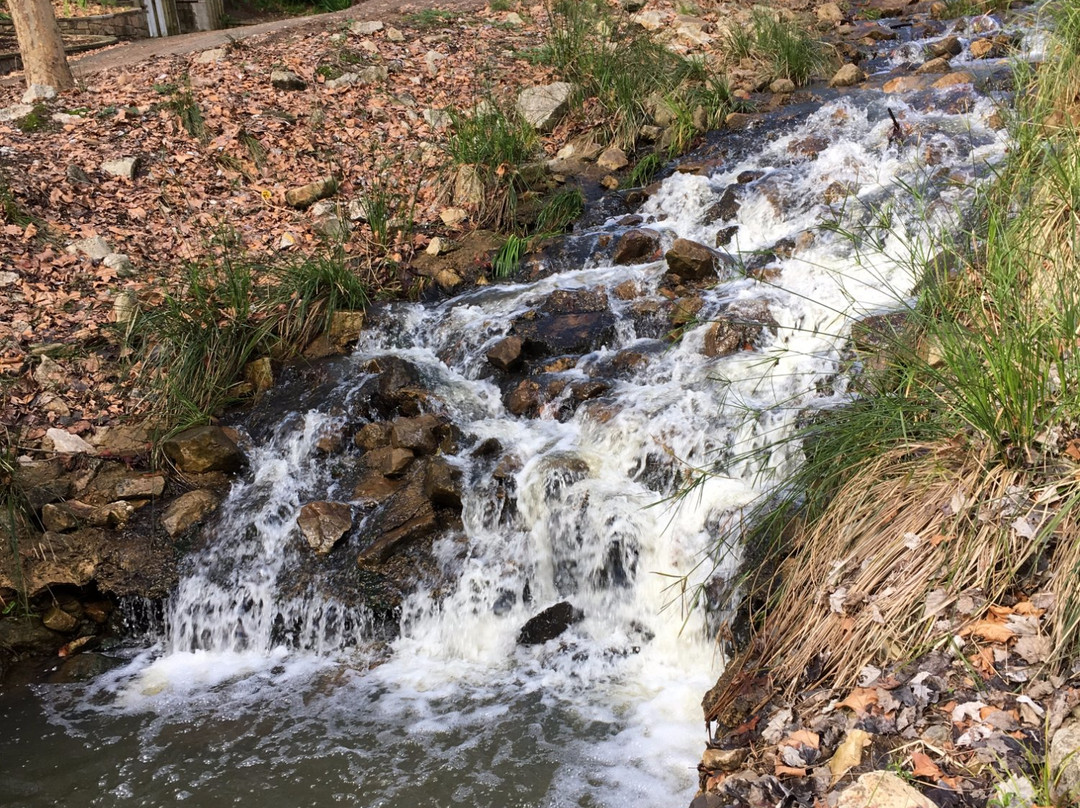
421 434
324 523
389 461
525 398
543 107
586 391
636 247
82 668
882 790
398 388
305 196
903 84
847 76
26 635
948 46
204 448
990 47
685 309
782 86
442 484
188 510
740 120
286 80
739 326
145 486
549 624
953 80
726 208
725 234
409 514
372 436
568 322
56 619
691 261
506 354
938 65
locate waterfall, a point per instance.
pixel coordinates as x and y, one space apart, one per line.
618 502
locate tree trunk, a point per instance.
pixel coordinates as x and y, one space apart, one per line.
40 46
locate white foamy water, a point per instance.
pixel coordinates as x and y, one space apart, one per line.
266 688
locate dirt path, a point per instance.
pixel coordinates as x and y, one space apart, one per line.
139 51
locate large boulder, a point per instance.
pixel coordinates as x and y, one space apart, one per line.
506 354
202 449
544 106
324 523
738 327
427 500
691 261
549 624
188 510
568 322
636 247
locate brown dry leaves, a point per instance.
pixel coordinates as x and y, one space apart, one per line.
259 142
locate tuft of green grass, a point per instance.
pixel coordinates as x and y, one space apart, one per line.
9 208
786 49
644 171
228 310
189 112
495 144
560 210
509 255
613 61
500 5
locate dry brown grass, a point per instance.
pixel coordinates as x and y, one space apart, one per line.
873 578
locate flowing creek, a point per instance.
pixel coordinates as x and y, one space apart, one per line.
265 685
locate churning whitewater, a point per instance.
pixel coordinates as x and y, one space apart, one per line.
263 686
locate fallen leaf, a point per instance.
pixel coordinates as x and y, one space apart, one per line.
848 754
1028 609
938 538
989 630
923 766
790 771
860 700
1033 649
802 737
1073 449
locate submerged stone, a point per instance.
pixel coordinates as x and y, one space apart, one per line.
549 624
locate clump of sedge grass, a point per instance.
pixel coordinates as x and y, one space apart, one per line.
783 48
613 61
493 144
230 309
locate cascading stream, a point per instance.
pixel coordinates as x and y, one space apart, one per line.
267 686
